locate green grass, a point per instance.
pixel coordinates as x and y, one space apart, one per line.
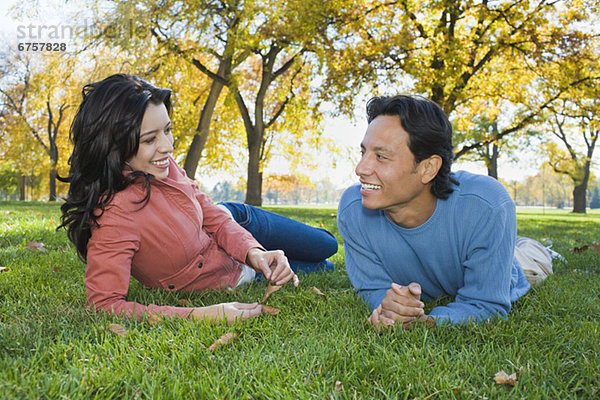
51 347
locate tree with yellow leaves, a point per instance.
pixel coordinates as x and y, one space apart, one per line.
260 51
37 106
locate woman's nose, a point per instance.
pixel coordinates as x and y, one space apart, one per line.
166 143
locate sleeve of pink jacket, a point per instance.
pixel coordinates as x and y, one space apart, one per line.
234 239
110 252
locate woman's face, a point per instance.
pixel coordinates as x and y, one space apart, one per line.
156 142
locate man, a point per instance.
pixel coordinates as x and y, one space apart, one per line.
415 231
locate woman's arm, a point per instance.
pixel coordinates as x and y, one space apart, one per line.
110 252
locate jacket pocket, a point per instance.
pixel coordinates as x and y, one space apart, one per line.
183 277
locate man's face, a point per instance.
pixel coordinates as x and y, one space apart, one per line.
390 179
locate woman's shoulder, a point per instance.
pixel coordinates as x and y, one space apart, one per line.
123 203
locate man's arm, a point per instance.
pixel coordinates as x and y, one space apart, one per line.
487 270
365 270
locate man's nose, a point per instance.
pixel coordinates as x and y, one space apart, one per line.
363 167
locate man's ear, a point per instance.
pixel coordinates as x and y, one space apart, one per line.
429 167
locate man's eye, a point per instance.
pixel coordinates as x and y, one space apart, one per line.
380 157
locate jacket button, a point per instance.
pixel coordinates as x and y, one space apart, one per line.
171 287
199 265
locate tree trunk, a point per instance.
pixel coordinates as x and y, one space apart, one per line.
579 198
52 184
254 184
492 164
199 141
52 174
579 191
23 180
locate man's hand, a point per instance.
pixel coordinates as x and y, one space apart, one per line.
401 303
228 311
273 264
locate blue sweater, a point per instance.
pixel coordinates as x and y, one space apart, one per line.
464 250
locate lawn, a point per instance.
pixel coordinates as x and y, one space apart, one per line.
52 347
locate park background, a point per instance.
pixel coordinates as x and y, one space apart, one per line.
269 96
282 87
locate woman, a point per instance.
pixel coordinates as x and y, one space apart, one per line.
132 211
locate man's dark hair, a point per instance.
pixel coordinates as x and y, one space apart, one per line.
429 132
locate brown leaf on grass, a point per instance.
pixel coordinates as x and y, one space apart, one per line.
270 289
52 221
338 386
183 302
270 310
224 340
428 320
56 269
502 378
580 249
596 247
154 319
4 269
35 246
117 329
425 320
318 292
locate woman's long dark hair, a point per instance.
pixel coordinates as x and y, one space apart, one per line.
105 134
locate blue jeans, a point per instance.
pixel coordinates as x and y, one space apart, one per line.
306 247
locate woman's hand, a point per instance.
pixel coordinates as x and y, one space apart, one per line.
273 264
229 311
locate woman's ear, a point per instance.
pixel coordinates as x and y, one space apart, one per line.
429 167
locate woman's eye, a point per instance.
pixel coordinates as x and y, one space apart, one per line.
150 140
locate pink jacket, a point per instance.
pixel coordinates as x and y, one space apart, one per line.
179 241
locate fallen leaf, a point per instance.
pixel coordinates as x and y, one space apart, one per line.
270 310
426 320
318 292
429 321
580 249
224 340
501 378
117 329
154 319
52 222
35 246
456 391
270 289
596 247
4 269
183 302
56 269
338 386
